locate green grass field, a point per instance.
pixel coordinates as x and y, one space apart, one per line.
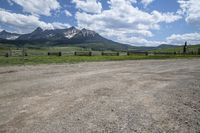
178 49
33 60
39 55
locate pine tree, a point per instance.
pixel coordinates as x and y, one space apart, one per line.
185 48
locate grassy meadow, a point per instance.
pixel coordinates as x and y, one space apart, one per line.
39 55
33 60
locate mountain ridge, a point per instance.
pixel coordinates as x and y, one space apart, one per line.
69 37
57 34
65 37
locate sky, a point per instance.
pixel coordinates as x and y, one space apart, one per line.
134 22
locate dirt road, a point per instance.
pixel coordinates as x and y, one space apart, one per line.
119 97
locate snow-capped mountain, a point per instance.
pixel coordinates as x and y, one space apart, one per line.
71 32
58 34
65 37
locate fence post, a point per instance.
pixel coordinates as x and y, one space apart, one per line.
60 54
10 51
7 55
128 53
198 51
90 53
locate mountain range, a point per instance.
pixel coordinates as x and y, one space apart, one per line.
68 37
62 37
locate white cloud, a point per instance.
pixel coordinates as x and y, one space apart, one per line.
191 10
89 6
67 13
192 38
146 2
38 7
124 21
165 17
26 23
58 25
10 2
140 41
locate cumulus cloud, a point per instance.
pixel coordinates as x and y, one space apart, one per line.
192 38
168 17
89 6
146 2
124 20
139 41
191 10
67 13
30 22
58 25
38 7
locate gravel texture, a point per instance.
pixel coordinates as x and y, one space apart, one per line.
101 97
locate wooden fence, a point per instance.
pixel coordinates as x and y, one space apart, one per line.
83 53
137 53
110 53
54 53
15 53
90 53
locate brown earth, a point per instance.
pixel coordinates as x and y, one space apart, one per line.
120 97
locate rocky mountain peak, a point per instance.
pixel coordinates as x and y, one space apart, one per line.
86 32
38 29
3 31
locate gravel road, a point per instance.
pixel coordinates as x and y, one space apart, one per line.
101 97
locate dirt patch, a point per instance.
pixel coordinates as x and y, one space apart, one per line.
126 96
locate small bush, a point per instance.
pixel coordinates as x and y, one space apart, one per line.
7 55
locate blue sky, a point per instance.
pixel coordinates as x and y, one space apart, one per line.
135 22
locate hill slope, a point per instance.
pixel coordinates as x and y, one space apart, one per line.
9 36
177 49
